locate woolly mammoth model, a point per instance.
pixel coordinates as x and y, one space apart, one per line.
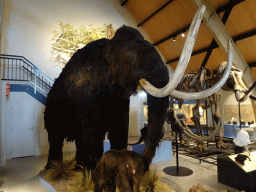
92 94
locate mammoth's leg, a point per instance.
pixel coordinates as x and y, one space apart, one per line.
118 123
54 126
181 101
90 135
196 118
89 145
157 108
217 118
55 148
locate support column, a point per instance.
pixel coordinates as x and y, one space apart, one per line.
2 127
1 20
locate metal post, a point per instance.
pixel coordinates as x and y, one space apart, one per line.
239 114
35 80
177 151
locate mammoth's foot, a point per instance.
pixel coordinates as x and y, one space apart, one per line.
220 143
201 147
51 164
184 141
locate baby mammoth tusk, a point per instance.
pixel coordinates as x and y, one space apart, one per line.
183 61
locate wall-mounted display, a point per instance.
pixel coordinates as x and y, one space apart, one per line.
68 39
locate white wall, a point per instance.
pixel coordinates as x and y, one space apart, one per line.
1 19
228 98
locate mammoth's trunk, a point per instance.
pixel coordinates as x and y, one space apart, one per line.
157 108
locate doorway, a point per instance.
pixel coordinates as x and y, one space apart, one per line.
22 117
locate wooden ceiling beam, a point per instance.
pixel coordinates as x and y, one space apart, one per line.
235 38
222 37
152 15
252 64
184 29
225 7
224 19
124 3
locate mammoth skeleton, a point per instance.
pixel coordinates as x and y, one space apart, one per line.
193 82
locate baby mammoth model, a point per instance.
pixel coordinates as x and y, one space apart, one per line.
91 96
119 169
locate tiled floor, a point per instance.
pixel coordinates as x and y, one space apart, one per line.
21 174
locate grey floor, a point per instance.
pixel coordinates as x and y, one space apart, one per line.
21 174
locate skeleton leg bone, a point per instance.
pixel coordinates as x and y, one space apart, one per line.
196 119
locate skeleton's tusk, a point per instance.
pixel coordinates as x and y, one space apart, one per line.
191 135
183 61
212 90
240 82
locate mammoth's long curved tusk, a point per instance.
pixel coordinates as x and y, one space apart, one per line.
190 134
213 89
183 61
241 96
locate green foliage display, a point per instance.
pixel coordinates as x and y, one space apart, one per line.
69 39
88 184
62 170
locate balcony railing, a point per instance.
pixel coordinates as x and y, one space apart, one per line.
18 68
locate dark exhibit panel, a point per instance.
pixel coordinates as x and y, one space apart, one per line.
236 175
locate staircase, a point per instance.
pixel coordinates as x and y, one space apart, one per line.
26 76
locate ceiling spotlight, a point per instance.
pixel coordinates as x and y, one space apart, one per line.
174 38
183 35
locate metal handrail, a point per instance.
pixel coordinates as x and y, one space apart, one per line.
28 63
37 74
34 74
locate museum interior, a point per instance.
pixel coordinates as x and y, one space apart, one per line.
177 77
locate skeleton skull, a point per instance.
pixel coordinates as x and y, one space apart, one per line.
235 83
174 116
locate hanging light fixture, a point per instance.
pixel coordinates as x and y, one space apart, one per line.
174 38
